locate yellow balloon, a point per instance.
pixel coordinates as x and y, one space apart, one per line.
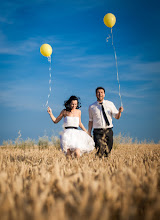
46 50
109 20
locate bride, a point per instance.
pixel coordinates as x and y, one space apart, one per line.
73 141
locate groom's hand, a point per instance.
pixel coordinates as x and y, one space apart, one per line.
89 133
121 109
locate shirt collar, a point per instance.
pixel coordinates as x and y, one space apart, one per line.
100 103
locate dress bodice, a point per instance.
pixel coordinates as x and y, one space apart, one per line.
71 121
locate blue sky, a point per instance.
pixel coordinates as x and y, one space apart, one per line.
81 61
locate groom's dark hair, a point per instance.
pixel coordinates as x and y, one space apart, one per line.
100 88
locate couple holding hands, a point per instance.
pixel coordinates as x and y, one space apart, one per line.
77 142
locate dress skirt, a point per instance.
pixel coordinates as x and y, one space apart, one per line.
76 139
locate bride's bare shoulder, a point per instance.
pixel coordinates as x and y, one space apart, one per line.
64 112
79 111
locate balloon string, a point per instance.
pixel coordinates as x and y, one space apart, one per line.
49 60
107 39
116 67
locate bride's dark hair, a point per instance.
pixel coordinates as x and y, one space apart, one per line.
68 102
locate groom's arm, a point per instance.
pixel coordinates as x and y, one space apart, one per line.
90 126
90 123
119 113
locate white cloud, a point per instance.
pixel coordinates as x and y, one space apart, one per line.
5 19
138 70
22 47
128 94
147 67
19 94
9 8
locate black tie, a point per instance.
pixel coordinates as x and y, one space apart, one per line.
104 114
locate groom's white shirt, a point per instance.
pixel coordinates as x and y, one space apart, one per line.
96 115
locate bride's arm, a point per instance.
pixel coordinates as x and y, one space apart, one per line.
80 123
54 119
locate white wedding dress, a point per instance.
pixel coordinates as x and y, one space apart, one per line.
72 138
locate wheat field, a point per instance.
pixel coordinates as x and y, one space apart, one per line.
41 183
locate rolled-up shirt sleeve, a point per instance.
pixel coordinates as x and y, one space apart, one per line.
114 110
90 114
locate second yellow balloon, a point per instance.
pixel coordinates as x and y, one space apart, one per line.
109 20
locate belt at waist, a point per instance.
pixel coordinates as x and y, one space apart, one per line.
101 129
71 127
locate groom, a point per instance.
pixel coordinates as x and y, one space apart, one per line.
100 119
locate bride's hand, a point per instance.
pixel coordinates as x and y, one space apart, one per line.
49 110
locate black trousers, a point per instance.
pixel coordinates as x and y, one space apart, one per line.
103 139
